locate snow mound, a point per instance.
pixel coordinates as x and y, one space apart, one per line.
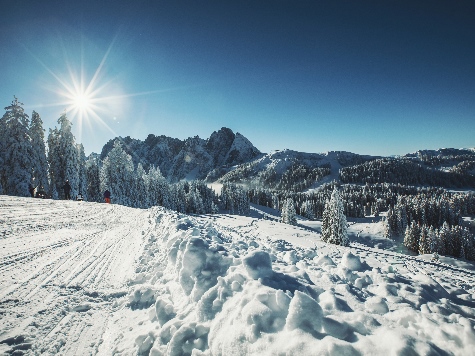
216 292
258 264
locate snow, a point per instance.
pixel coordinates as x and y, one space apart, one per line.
91 278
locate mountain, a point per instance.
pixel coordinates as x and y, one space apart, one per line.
298 171
230 157
193 158
291 170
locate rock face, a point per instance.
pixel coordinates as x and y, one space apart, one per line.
193 158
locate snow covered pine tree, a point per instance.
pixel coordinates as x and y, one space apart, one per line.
289 215
15 151
334 229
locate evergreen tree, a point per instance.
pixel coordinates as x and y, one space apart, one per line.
433 240
82 172
235 199
53 162
289 216
16 151
141 195
40 163
424 242
158 190
178 197
412 237
402 220
69 155
334 226
386 228
93 189
444 236
116 171
63 157
307 210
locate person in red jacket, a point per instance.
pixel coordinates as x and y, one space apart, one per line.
107 196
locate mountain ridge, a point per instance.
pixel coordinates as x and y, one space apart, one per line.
230 157
192 158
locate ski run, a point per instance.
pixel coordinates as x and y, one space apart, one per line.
79 278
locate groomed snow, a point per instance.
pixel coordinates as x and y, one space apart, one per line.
82 278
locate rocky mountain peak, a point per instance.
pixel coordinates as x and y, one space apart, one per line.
192 158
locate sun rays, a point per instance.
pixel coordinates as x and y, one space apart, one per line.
89 100
90 88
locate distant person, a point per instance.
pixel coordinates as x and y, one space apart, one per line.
79 197
41 193
107 196
67 190
31 189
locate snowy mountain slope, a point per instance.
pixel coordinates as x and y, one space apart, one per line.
442 152
268 169
194 156
80 278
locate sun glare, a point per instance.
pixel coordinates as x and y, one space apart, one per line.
89 101
81 101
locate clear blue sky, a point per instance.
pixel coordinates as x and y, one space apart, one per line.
371 77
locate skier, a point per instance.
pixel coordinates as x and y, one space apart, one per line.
79 197
67 190
107 196
31 189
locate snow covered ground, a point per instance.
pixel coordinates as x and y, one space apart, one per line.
82 278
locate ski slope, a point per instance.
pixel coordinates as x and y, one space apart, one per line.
82 278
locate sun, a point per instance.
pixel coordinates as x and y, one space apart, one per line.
81 101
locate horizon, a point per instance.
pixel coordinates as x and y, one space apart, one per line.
369 78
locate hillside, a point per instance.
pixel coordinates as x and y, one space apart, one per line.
298 171
90 278
291 170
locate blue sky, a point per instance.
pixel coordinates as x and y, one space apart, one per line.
371 77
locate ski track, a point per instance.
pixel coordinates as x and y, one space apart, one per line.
62 265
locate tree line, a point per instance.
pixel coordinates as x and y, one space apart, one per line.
407 172
26 159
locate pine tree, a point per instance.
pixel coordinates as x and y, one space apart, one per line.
116 171
412 237
82 188
93 189
235 199
15 151
178 197
40 163
63 157
69 155
433 240
334 226
158 190
308 210
53 162
386 228
424 242
289 216
402 219
444 236
141 195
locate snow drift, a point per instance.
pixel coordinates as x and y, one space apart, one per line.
219 294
